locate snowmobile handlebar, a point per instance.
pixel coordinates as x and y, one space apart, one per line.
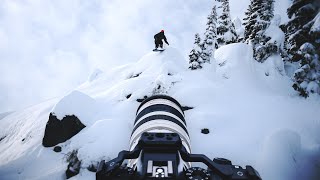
160 149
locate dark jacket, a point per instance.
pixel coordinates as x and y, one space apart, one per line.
158 38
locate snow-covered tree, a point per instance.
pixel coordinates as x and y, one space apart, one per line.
301 12
195 60
210 36
239 29
307 77
249 20
225 30
303 44
256 22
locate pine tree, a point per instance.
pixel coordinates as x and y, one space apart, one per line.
225 30
209 42
195 60
303 12
249 20
307 77
303 45
259 15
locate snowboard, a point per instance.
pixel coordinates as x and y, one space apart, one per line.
158 50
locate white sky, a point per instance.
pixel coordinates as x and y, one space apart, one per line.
48 48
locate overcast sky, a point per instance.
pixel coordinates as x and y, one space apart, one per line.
49 47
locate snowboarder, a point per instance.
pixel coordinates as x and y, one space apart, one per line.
158 40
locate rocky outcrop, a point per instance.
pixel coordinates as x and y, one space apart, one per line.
58 131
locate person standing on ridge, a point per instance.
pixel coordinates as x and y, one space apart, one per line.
158 39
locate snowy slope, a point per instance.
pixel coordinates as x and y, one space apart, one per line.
253 118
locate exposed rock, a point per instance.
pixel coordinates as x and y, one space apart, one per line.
142 99
128 96
93 167
205 131
58 131
186 108
135 75
2 138
74 164
57 149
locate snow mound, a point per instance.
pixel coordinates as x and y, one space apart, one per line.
168 61
154 73
236 65
272 67
235 61
78 104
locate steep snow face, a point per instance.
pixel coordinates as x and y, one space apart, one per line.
253 118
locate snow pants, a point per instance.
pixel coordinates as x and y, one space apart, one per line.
158 43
